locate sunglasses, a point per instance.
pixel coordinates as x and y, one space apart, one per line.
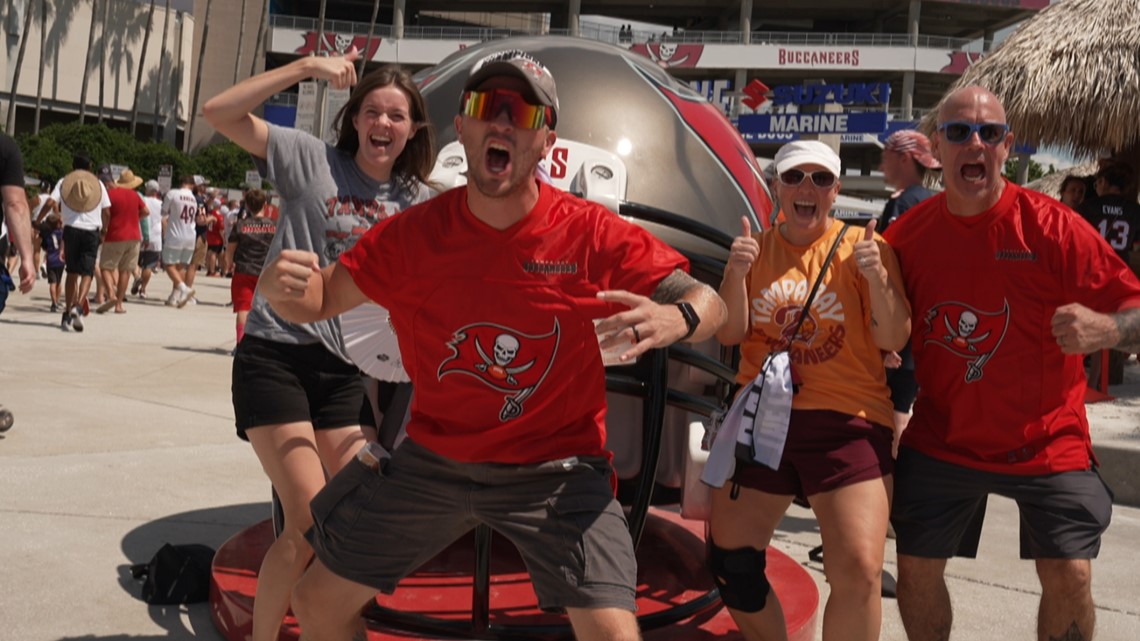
487 105
990 133
821 179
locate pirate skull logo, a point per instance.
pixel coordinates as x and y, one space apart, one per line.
504 352
667 50
506 348
343 42
963 337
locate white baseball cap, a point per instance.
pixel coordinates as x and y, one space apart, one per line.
807 152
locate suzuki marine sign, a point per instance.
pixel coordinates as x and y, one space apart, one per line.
818 123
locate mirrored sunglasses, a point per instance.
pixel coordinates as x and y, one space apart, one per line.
821 179
990 133
487 105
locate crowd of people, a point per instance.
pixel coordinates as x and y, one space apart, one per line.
96 235
963 292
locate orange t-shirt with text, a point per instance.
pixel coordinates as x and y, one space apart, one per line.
834 356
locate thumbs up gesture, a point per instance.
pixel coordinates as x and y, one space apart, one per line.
745 249
867 257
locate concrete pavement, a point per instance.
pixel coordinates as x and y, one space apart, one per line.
124 440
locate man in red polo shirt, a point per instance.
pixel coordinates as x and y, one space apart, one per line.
122 236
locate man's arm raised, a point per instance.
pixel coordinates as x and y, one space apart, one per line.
301 292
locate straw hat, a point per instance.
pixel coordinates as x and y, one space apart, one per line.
81 191
128 179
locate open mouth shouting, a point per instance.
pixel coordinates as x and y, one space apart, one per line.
973 172
497 159
805 208
380 143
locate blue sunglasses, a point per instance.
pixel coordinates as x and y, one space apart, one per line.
990 133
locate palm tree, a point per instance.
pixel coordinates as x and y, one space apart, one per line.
368 42
198 78
161 65
241 40
43 62
142 64
103 55
260 36
19 65
87 63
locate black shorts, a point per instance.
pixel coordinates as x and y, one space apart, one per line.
377 526
939 507
150 259
80 248
276 383
54 275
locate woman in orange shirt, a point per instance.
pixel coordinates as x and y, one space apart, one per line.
838 448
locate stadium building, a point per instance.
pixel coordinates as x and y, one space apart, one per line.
855 68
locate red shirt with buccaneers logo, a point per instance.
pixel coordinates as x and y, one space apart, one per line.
496 326
995 391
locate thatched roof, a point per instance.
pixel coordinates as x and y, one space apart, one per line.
1051 184
1068 77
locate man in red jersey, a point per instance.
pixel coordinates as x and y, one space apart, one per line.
493 290
1009 289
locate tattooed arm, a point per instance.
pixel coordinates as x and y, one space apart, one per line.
1080 330
657 321
1128 327
680 287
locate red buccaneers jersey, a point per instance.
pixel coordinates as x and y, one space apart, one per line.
996 393
496 326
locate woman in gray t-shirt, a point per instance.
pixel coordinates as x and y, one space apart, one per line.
297 396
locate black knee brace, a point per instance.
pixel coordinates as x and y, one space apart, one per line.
739 574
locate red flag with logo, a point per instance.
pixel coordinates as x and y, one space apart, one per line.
504 359
967 332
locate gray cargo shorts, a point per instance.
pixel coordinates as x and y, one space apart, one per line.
376 526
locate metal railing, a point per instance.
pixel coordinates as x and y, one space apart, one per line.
612 34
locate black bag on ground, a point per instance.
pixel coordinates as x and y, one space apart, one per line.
176 574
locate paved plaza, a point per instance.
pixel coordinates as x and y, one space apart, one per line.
124 440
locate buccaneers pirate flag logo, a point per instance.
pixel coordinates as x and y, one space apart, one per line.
967 332
503 359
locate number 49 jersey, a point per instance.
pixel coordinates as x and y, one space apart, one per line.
1117 220
179 208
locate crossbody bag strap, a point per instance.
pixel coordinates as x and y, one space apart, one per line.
818 280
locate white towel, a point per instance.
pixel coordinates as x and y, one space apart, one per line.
756 423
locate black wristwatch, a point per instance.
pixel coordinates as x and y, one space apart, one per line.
691 319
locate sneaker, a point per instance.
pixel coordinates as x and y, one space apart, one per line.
142 294
172 300
77 318
55 308
135 287
65 322
185 296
